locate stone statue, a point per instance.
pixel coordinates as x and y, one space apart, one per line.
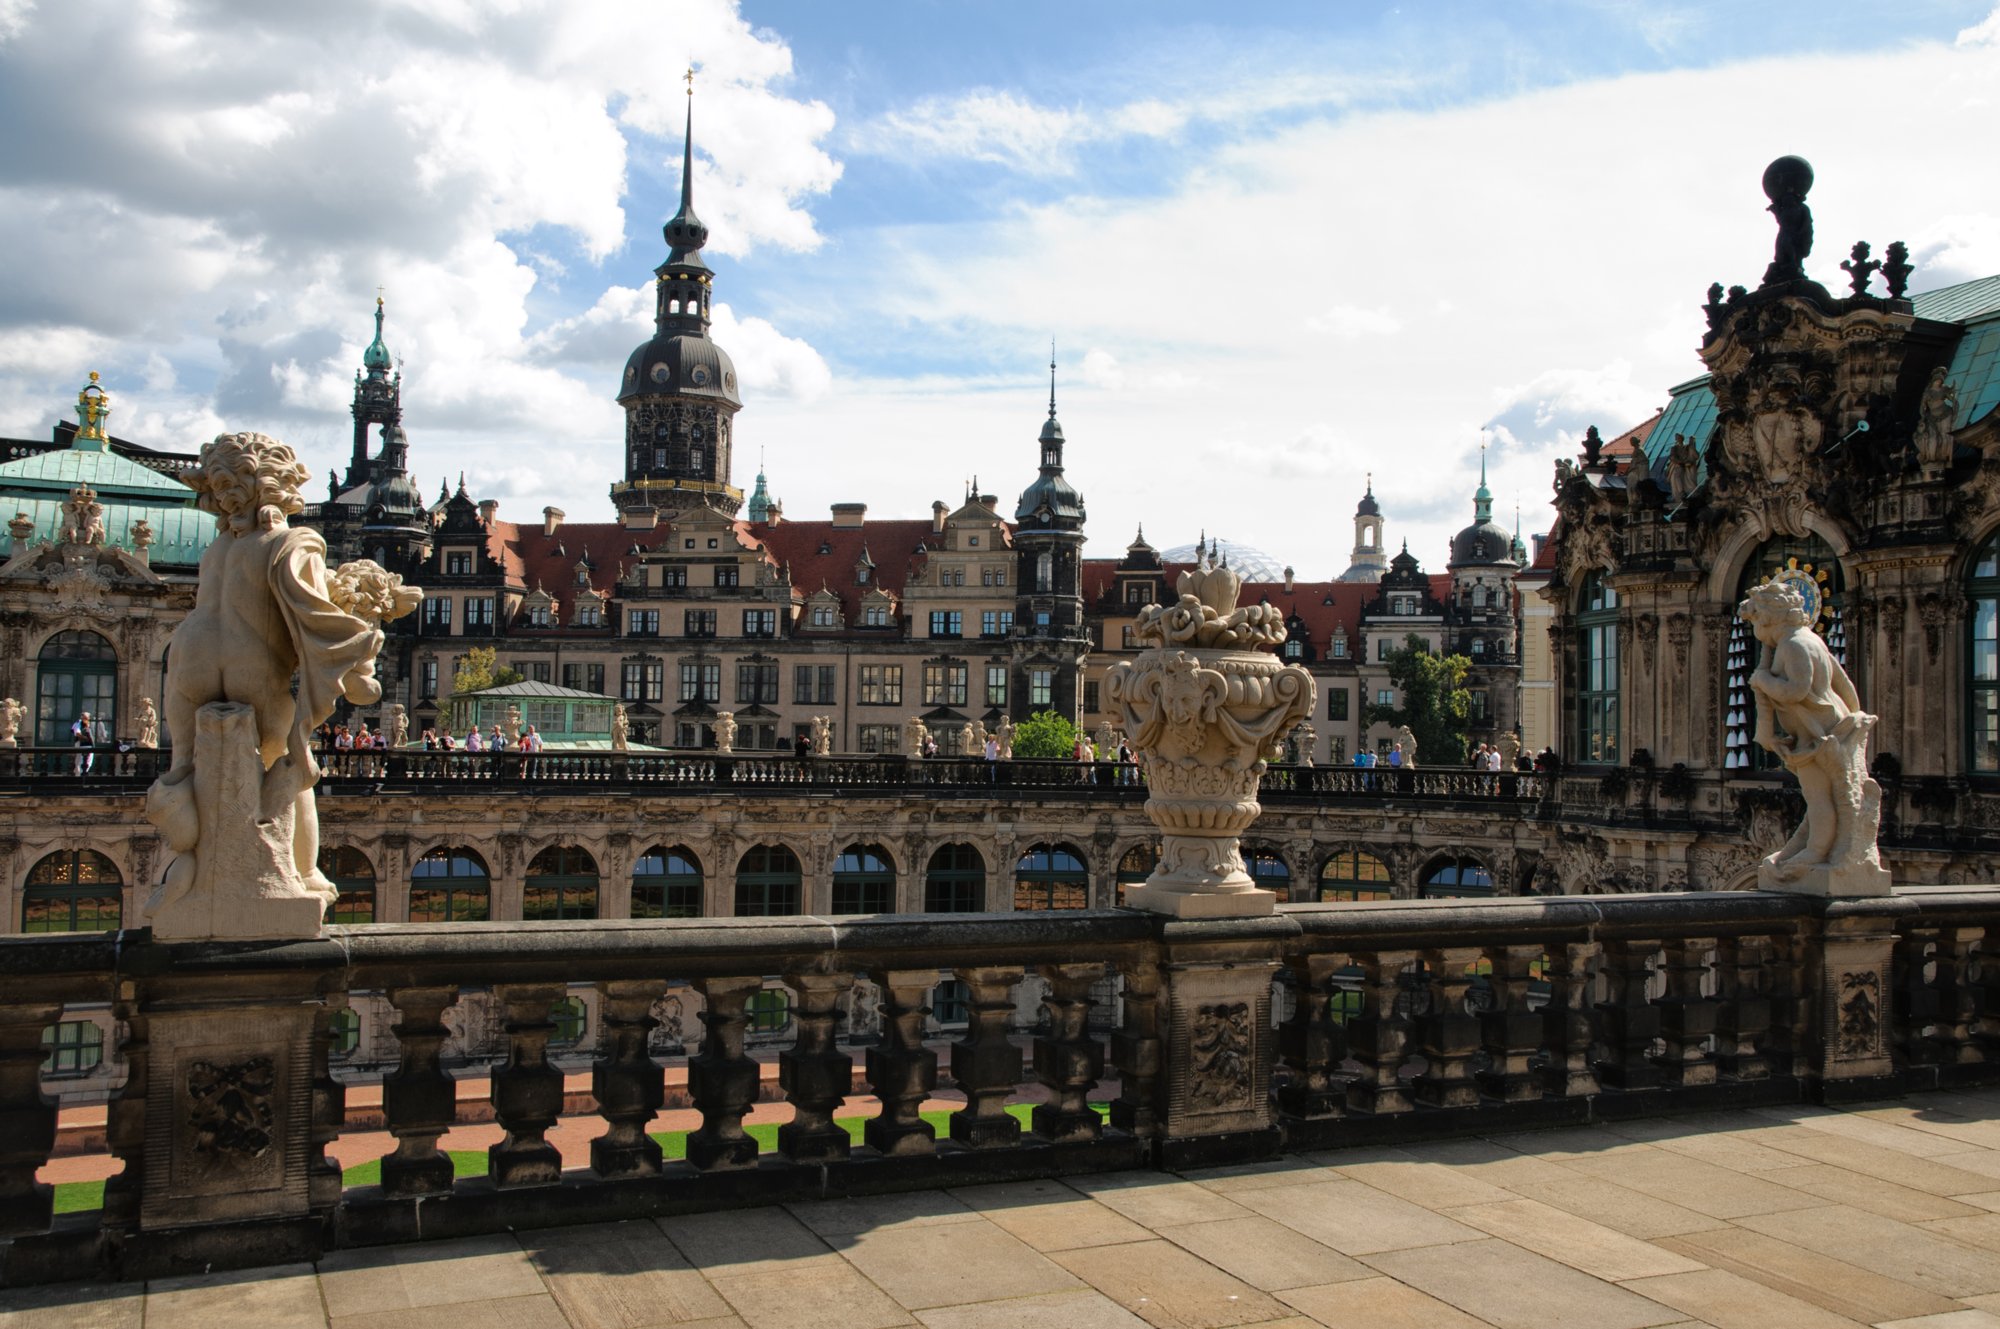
975 738
1409 742
1510 750
1208 707
1810 717
1786 183
914 733
1715 309
1935 416
399 725
149 725
1859 267
822 736
1565 472
1006 736
1593 446
725 732
1784 431
510 725
621 727
1107 740
1308 739
1683 469
236 806
83 517
11 713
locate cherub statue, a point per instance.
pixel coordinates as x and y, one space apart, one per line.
725 732
510 725
1809 715
399 725
822 736
1935 417
1409 742
969 739
149 724
236 805
83 517
11 713
1006 735
621 728
1107 739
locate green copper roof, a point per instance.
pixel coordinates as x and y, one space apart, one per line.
1975 371
180 534
106 472
1690 411
1962 303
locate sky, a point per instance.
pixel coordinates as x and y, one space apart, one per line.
1276 250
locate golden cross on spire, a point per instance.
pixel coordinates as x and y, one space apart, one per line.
688 78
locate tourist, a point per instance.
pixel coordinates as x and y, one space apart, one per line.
83 734
473 741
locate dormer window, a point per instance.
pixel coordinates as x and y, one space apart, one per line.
1295 649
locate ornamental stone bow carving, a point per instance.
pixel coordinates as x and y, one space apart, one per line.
1206 709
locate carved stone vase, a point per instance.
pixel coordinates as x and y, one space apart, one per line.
1207 708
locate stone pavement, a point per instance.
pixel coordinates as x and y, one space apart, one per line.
1777 1218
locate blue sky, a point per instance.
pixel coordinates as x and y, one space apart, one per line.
1276 252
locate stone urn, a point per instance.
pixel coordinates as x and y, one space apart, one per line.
1207 707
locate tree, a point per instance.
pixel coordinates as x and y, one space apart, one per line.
476 671
1045 734
1436 705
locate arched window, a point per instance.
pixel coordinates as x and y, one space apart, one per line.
562 883
1810 568
1353 874
666 883
450 885
1448 876
767 882
1051 876
78 890
1136 865
955 881
1982 707
864 881
1268 869
354 877
76 672
1045 571
1597 672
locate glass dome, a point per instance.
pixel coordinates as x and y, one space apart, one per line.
1252 564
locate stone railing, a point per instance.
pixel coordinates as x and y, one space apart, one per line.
417 770
1319 1026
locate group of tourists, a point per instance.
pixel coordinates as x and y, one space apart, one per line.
335 741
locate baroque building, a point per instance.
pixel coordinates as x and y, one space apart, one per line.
1843 442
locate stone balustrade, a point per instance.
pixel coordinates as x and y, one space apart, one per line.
1317 1027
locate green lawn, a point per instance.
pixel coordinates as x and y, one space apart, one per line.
72 1196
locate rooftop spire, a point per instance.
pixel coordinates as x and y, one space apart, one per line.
92 405
685 232
1482 497
1052 378
376 358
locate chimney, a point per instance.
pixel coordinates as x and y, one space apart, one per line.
552 520
849 516
938 511
990 501
1288 579
489 508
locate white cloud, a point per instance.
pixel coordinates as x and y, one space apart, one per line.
991 126
1352 321
1986 32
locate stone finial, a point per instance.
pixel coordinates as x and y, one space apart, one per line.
142 540
1859 267
914 734
510 725
725 732
1005 733
236 806
1809 716
399 725
1896 268
22 529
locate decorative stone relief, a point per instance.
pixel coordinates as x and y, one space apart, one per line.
230 1106
1220 1048
1858 1024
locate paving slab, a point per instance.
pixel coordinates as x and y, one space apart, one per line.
1621 1209
1049 1216
1377 1303
1592 1248
1811 1276
1355 1218
1511 1288
538 1312
1702 1187
1071 1310
1924 1173
424 1274
283 1297
1902 1251
819 1294
1903 1203
950 1264
1265 1254
1729 1301
1170 1288
621 1276
1156 1201
74 1306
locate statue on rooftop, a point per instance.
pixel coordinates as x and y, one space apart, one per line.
1809 716
83 517
510 725
1896 269
236 805
1683 469
1786 183
822 736
1935 417
1859 267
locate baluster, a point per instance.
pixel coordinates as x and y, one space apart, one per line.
1450 1034
1068 1060
1510 1032
1957 1011
1916 1000
1744 1024
1136 1052
721 1080
985 1062
329 1108
1687 1018
27 1117
1987 1029
901 1069
527 1091
1793 1005
1628 1022
1379 1037
815 1073
629 1085
420 1100
1566 1023
1313 1044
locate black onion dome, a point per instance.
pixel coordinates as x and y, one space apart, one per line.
680 365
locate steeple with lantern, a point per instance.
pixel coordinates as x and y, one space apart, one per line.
1050 640
679 389
378 401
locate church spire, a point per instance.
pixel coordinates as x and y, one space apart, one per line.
1482 498
684 230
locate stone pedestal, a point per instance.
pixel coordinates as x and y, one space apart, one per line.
232 826
1858 879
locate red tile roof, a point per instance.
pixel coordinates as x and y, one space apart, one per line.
1633 439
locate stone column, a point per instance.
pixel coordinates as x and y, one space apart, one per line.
1219 1045
1850 976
